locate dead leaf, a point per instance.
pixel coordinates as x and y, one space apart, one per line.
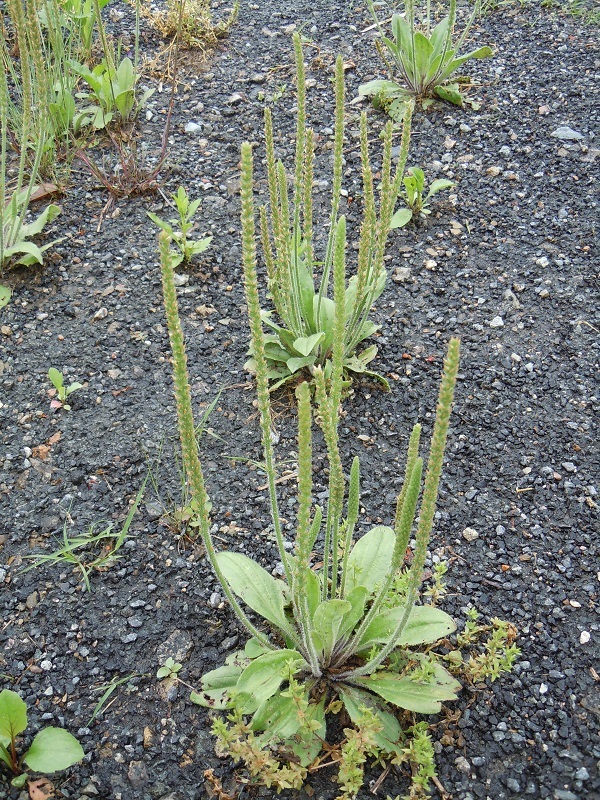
54 438
44 190
41 452
41 789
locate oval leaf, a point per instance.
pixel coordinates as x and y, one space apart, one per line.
370 559
254 586
53 749
327 621
13 715
425 625
401 218
422 697
262 678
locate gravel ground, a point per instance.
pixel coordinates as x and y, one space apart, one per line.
507 262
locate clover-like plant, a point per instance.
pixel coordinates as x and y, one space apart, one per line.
340 636
417 204
51 750
424 58
300 338
186 209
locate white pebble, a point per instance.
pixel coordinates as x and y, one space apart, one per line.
585 637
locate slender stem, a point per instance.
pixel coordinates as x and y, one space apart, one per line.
428 503
258 343
189 447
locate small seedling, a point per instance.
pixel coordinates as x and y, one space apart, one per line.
108 689
52 749
186 209
169 669
63 392
417 205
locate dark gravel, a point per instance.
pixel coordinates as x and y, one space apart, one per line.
507 262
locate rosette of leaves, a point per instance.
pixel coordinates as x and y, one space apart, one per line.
423 59
337 638
417 204
300 337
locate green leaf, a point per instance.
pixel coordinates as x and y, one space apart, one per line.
4 755
262 678
370 559
327 621
218 684
34 253
438 185
296 364
56 378
200 246
380 87
422 697
456 63
425 625
311 589
255 586
423 51
278 715
53 749
13 715
359 362
439 36
306 748
401 218
19 780
5 295
391 736
449 94
162 224
37 226
326 322
306 344
357 599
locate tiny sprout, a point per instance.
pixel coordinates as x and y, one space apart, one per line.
169 669
56 378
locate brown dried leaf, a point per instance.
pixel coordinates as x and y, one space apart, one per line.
41 789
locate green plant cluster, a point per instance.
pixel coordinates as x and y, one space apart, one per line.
52 749
346 639
301 336
423 58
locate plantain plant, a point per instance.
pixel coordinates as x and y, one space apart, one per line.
301 335
23 126
424 58
341 638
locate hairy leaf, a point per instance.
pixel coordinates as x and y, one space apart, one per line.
422 697
254 586
370 559
425 625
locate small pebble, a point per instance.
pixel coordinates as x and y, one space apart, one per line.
470 534
497 322
584 637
